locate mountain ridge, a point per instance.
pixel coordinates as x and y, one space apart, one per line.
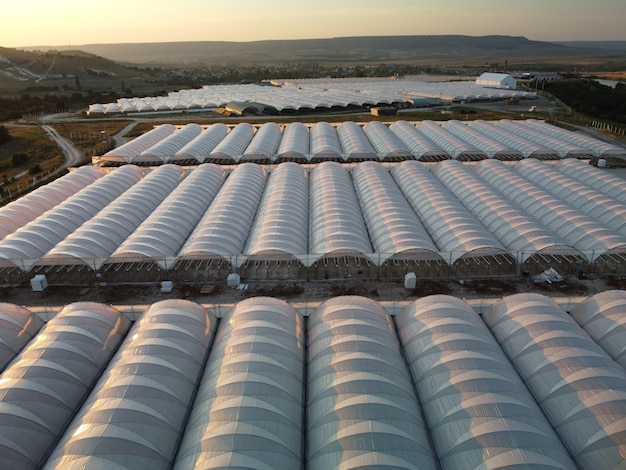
357 49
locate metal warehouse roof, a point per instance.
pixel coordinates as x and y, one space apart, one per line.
261 387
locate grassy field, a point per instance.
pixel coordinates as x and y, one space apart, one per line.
26 158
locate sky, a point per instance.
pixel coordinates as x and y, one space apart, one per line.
27 23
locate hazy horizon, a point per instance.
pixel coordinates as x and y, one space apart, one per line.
64 23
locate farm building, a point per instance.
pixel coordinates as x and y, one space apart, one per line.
497 80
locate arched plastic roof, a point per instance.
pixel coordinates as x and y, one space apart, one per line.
18 326
235 143
391 222
598 179
597 146
354 142
248 412
392 225
165 149
46 383
420 145
580 388
18 213
604 209
336 222
162 234
135 416
448 222
200 147
225 226
36 238
324 141
526 146
282 222
456 147
576 228
603 316
564 148
265 142
128 152
491 147
479 411
102 235
513 227
361 407
386 143
295 141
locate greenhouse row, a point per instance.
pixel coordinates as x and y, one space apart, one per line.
435 385
352 142
369 221
302 95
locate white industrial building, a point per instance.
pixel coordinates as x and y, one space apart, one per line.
497 80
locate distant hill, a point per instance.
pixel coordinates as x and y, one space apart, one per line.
604 45
348 49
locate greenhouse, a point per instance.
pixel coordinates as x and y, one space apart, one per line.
135 416
267 384
42 389
479 411
581 390
351 142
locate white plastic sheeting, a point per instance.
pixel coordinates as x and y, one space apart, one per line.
102 235
491 147
386 143
265 142
526 146
47 382
563 148
598 147
455 230
18 213
577 229
420 145
128 152
295 142
354 142
165 149
479 411
601 180
18 326
224 228
234 144
248 412
362 411
282 223
514 228
580 388
336 222
35 239
162 234
134 418
325 142
603 316
200 147
456 147
604 209
393 227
